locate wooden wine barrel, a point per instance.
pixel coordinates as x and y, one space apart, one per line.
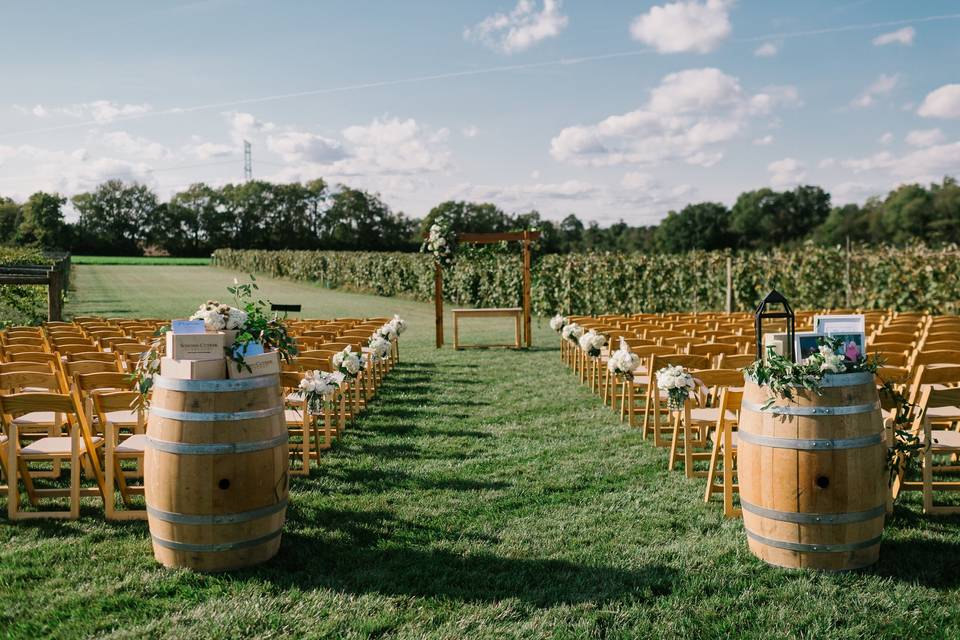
216 472
812 474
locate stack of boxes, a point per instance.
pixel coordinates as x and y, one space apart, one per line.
193 353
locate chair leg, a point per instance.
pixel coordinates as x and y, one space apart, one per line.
75 472
712 471
674 442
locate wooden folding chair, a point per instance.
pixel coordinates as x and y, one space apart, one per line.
79 448
725 451
692 424
119 446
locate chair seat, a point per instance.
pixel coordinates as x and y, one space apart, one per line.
710 414
295 397
943 413
53 446
122 417
133 444
944 439
293 415
36 418
642 378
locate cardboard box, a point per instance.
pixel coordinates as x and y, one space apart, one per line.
194 369
190 346
262 365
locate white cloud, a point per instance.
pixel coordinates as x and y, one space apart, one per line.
68 172
886 138
685 26
129 145
900 36
244 126
210 150
638 180
881 86
924 137
766 50
520 29
941 103
299 146
100 111
853 192
787 172
826 163
471 131
763 141
688 114
923 165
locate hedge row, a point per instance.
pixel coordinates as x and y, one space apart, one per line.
22 304
910 278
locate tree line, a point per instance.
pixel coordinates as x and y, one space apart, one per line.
120 218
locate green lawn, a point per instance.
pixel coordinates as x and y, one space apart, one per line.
484 495
139 260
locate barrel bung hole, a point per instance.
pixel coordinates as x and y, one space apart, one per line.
224 484
823 482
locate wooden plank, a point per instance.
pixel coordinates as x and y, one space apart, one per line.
526 289
55 297
504 236
438 302
24 279
487 313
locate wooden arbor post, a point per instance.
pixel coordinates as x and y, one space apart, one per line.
526 238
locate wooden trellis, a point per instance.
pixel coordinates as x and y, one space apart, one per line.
526 238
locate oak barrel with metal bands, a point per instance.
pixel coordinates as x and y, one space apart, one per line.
812 474
216 472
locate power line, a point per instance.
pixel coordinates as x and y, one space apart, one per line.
247 162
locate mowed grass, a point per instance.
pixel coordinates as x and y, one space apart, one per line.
485 494
139 260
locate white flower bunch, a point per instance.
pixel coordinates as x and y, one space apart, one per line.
399 324
591 342
623 361
572 332
677 383
217 316
380 347
387 332
440 242
558 322
316 384
348 363
829 361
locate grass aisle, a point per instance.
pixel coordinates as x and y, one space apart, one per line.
485 494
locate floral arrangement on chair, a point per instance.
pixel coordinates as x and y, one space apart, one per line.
591 342
348 363
623 361
441 242
558 322
380 347
399 324
572 332
317 384
677 383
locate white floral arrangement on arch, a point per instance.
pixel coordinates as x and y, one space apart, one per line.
623 361
572 332
348 363
217 316
380 347
441 242
677 383
591 342
558 322
316 385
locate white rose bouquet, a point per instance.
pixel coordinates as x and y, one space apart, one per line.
380 347
388 332
558 322
348 363
677 383
572 332
399 324
317 384
217 316
591 342
623 361
441 242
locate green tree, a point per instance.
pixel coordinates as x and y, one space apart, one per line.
42 222
705 225
765 218
11 215
116 218
907 211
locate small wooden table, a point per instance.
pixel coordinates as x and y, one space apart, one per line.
504 312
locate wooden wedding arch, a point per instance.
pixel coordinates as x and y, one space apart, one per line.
526 238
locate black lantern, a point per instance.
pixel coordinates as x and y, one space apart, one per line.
776 298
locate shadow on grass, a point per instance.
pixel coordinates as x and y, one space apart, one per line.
371 552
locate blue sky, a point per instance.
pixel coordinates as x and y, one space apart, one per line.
619 109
